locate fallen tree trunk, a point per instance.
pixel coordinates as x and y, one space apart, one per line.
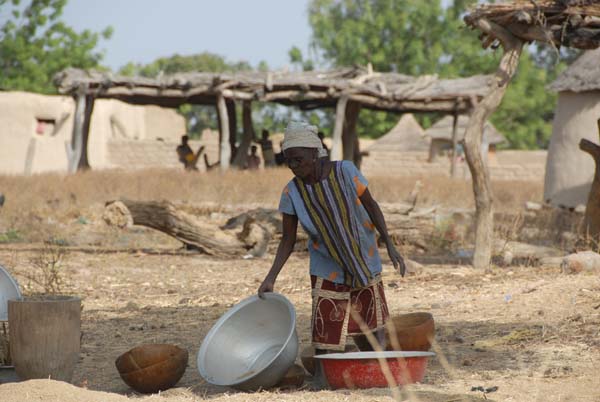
404 229
514 252
195 233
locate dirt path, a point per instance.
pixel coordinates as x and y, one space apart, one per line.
533 333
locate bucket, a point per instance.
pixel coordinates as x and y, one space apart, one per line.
45 336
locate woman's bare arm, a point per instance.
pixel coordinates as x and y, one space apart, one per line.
378 220
286 246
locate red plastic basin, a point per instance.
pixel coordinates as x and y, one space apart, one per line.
363 369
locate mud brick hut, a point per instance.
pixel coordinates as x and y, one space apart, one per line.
440 134
35 128
569 173
402 150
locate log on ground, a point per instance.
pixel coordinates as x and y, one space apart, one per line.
253 238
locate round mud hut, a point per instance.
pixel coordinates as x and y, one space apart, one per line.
569 171
403 149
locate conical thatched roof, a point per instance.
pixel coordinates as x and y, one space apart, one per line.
407 135
582 75
442 130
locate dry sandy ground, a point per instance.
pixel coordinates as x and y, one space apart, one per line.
533 333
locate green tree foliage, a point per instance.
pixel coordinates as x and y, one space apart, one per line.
198 117
422 37
180 64
35 44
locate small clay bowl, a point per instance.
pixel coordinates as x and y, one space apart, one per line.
152 367
407 332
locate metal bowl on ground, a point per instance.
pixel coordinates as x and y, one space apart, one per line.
364 370
152 367
409 332
9 290
252 345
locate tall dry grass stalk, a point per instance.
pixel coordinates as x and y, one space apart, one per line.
28 192
38 200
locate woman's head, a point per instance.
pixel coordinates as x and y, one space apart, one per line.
302 148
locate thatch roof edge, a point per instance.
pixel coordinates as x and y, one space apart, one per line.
581 76
308 89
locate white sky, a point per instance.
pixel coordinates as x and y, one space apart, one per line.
145 30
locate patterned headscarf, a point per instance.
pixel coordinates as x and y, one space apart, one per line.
299 134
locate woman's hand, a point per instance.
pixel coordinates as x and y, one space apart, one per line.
266 287
396 258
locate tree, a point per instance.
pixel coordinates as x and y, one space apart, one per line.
35 44
422 37
180 64
198 117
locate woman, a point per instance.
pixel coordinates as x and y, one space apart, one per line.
334 206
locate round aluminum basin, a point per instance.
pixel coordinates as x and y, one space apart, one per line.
252 345
9 290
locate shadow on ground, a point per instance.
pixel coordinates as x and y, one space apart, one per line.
469 347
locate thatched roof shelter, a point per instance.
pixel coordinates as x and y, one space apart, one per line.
346 89
573 23
406 136
307 89
582 75
442 130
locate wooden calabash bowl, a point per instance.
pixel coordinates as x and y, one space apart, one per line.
151 368
407 332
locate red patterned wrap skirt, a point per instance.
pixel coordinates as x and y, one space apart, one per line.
332 320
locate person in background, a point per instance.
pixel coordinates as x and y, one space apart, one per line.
267 149
280 157
186 154
253 162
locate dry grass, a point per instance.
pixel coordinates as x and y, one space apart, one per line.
235 187
37 203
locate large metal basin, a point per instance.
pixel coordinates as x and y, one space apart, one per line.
252 345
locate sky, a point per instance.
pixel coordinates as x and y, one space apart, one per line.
239 30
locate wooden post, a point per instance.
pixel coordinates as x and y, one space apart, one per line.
454 144
484 213
74 149
592 211
30 154
247 135
225 146
340 114
349 137
85 133
232 117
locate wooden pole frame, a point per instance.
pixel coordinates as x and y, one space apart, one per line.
484 212
340 117
349 135
247 135
592 210
454 144
74 148
225 146
232 119
84 163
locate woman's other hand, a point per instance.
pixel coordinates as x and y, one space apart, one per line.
266 287
396 258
